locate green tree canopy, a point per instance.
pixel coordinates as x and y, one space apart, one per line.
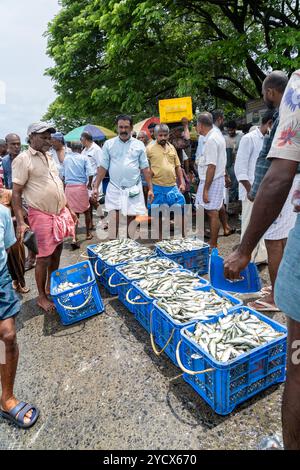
123 56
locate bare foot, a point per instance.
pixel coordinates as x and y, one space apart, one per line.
229 231
45 304
89 236
15 285
12 403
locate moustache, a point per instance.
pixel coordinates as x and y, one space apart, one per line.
124 133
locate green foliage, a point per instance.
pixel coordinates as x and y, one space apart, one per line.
116 56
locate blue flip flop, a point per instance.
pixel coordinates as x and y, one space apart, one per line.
17 415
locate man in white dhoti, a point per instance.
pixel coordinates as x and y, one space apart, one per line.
124 157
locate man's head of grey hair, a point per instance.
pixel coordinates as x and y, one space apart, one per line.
205 119
161 128
142 134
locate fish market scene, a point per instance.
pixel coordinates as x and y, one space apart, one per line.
149 227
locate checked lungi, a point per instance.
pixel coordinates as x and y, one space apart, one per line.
286 220
215 195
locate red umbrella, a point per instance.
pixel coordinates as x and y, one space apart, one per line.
143 125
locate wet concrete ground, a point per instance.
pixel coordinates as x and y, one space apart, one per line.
99 385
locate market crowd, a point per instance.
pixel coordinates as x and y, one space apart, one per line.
46 187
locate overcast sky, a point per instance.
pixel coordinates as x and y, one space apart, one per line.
23 60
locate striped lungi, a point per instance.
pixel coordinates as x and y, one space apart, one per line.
286 220
215 195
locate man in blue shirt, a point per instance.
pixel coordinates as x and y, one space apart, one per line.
78 174
124 157
22 414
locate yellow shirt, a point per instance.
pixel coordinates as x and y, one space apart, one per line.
163 162
43 188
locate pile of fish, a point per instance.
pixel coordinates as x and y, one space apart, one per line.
233 335
64 286
180 244
196 305
170 284
121 250
147 267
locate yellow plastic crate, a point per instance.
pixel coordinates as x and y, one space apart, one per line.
173 110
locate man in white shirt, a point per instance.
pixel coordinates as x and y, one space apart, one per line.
94 154
211 170
244 168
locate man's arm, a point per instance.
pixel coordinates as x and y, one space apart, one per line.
186 131
179 175
269 201
210 173
101 172
147 174
18 211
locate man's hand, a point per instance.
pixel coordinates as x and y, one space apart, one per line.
182 188
95 194
205 196
234 264
150 196
185 122
21 229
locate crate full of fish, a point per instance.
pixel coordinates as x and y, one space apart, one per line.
170 315
115 253
233 357
135 270
172 284
190 253
75 292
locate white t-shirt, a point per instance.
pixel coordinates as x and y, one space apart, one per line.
214 153
94 154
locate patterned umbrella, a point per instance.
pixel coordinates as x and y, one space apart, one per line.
97 132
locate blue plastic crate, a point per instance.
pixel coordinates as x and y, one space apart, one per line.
226 385
105 271
142 308
93 256
165 331
250 281
124 283
102 270
195 260
79 302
